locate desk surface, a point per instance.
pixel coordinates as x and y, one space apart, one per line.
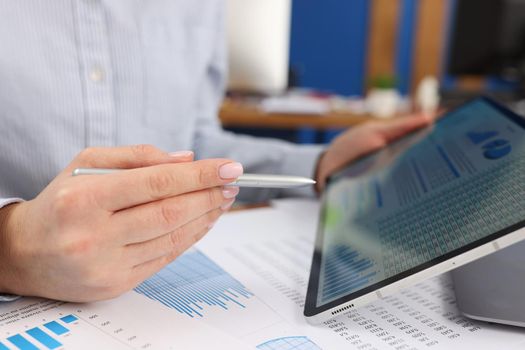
234 114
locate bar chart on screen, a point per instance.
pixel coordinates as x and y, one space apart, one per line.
344 270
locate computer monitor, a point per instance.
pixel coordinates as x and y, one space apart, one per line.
258 45
488 38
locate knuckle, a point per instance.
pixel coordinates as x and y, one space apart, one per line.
212 198
168 216
87 153
159 182
176 239
65 199
78 247
206 176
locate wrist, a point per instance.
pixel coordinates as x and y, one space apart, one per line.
9 228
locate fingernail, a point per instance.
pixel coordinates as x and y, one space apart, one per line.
181 154
230 192
231 171
227 205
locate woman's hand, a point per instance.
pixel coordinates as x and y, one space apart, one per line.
361 140
94 237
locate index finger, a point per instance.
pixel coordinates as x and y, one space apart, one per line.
129 188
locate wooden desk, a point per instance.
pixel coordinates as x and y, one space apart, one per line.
237 115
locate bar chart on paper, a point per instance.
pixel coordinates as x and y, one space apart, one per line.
58 333
198 288
49 335
193 284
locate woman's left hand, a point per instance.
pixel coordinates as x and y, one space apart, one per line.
363 139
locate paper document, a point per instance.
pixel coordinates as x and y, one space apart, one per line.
269 252
128 322
244 287
199 289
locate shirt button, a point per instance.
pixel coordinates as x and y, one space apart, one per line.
96 75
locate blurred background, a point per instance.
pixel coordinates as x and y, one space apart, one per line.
303 70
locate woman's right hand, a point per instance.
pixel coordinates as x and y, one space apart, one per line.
93 237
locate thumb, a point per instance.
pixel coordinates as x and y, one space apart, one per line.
127 157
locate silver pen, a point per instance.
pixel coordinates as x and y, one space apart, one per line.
246 180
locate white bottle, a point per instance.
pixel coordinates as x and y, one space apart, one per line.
427 95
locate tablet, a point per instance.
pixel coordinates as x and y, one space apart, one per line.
433 200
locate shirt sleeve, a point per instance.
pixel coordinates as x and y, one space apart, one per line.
258 155
7 201
8 297
3 203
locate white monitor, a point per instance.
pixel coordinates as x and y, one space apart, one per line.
258 45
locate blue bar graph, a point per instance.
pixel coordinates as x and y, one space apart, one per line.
56 328
43 338
21 342
37 335
69 319
192 283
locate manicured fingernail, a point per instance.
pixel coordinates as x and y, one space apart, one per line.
227 205
230 192
231 171
181 154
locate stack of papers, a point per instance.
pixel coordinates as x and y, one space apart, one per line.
244 287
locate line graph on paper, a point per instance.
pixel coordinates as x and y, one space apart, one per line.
289 343
193 284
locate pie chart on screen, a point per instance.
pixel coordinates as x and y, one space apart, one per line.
497 149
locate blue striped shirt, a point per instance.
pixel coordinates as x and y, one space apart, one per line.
82 73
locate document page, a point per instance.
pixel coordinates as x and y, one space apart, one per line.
269 251
198 289
128 322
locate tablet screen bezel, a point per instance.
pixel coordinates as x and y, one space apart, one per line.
311 308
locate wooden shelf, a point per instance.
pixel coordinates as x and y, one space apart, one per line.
234 114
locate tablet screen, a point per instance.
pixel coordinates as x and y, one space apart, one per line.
422 200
